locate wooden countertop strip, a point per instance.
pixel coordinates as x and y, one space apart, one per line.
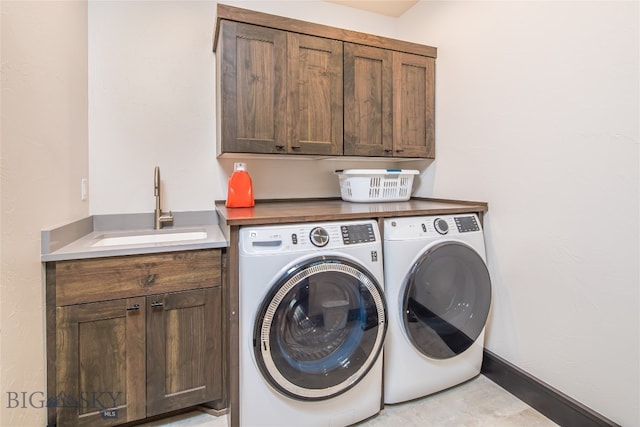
278 212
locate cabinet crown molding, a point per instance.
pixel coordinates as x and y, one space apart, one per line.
231 13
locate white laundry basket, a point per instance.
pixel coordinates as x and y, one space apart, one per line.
376 185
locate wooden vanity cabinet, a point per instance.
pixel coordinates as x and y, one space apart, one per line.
279 92
155 348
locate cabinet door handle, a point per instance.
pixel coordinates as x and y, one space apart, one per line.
157 304
387 150
296 147
133 307
279 146
400 150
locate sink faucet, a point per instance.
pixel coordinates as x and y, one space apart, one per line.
160 217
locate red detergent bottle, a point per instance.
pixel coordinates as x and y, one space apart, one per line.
240 189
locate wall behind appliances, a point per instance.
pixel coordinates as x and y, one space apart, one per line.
537 113
43 158
152 102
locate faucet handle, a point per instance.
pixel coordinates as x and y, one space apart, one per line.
156 181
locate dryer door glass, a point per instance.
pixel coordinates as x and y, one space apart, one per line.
320 329
446 300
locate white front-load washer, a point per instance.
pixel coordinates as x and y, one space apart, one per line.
438 293
312 323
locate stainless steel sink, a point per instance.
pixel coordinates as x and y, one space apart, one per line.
149 237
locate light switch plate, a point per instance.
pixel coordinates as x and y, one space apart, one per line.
83 189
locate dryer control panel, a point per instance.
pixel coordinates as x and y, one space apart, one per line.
440 226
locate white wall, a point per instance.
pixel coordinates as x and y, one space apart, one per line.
152 92
537 113
43 158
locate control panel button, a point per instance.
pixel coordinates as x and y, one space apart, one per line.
319 237
294 238
441 226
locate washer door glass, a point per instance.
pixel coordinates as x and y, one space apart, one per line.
446 300
320 329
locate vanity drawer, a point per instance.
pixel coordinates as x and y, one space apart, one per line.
99 279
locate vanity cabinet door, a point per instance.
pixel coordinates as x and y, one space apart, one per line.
413 105
367 101
184 354
100 369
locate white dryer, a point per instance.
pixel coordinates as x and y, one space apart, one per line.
438 293
312 323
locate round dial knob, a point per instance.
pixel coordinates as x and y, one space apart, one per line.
441 226
319 237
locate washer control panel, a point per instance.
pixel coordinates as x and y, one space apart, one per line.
301 237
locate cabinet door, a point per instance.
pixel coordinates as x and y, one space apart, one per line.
252 91
184 354
413 105
314 102
100 369
367 101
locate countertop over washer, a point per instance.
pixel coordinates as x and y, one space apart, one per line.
311 210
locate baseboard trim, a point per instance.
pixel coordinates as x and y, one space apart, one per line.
553 404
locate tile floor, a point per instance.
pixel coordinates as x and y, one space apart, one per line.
476 403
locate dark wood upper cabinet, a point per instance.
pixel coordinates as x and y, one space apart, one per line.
279 92
314 101
368 124
252 94
389 103
295 87
413 105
